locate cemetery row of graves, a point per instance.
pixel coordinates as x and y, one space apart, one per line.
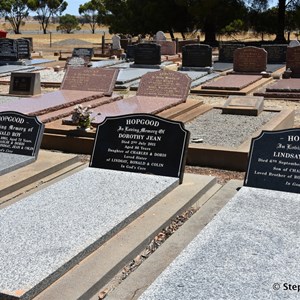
67 228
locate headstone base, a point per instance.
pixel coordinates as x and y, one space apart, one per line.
18 63
209 70
145 66
116 52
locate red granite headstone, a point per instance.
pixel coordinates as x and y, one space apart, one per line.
90 79
167 47
165 83
250 60
293 60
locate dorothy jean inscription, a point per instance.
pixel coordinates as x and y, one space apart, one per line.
141 143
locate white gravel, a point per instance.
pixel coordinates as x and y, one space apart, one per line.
218 129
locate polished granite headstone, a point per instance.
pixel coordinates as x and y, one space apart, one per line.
83 52
8 50
22 83
248 251
165 83
250 59
157 91
24 51
276 53
226 52
274 161
90 79
141 143
147 54
293 60
20 140
232 82
196 56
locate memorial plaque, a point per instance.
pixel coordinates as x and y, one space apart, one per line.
20 134
30 39
8 50
274 161
23 83
293 60
83 52
77 61
141 143
165 83
276 53
90 79
226 52
197 55
250 59
24 49
243 105
147 54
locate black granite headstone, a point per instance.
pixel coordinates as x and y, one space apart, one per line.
147 54
274 161
130 52
276 53
196 55
141 143
226 52
83 52
8 50
24 49
20 134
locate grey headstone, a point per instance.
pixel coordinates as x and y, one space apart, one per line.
160 36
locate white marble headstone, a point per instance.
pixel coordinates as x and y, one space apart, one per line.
160 36
116 42
294 43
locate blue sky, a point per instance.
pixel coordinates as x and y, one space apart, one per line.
73 6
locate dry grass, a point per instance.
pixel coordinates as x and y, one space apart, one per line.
42 41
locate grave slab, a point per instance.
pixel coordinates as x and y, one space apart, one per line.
49 102
243 105
283 88
86 218
285 85
232 82
11 162
135 104
242 253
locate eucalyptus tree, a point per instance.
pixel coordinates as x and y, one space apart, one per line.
15 12
93 13
46 9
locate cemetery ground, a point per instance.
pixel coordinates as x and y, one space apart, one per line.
67 43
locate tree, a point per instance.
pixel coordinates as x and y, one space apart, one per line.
46 9
68 24
15 11
263 22
147 16
213 15
92 12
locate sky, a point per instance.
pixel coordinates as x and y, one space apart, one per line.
73 6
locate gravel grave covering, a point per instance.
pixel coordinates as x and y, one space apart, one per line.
226 130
